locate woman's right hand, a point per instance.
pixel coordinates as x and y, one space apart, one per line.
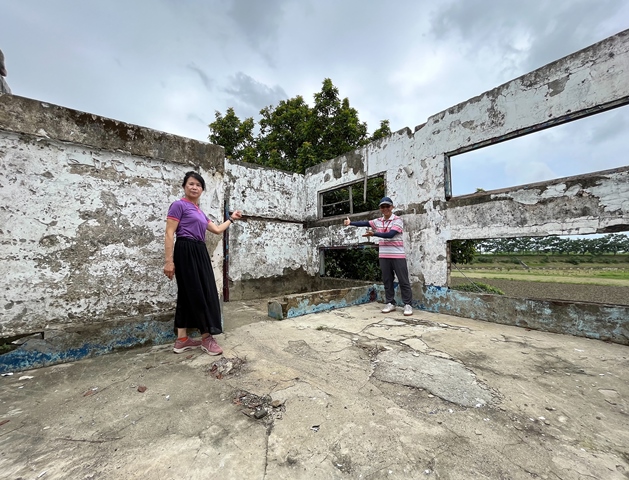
169 270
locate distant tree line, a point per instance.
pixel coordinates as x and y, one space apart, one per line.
609 244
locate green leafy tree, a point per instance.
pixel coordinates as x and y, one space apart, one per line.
334 128
292 135
235 136
462 251
283 141
382 132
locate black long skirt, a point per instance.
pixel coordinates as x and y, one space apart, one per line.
197 298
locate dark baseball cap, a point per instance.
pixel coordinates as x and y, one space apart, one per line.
385 201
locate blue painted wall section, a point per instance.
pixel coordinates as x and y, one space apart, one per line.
590 320
292 306
68 346
597 321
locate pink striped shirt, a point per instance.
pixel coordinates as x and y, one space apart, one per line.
390 247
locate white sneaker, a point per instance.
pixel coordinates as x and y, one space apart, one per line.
389 307
408 310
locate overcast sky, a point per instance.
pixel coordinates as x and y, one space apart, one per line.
170 64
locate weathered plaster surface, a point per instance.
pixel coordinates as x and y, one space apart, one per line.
388 156
264 192
72 344
24 115
582 204
292 306
268 250
265 248
82 227
593 79
591 320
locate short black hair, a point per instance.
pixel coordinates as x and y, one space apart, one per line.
196 176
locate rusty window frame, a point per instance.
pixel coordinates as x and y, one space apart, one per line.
345 195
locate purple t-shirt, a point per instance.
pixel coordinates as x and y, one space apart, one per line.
192 221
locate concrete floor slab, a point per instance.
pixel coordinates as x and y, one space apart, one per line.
557 408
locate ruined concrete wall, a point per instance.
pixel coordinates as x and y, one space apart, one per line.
591 320
84 200
84 197
268 249
589 81
265 193
582 204
411 194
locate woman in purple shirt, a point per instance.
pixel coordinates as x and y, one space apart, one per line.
187 259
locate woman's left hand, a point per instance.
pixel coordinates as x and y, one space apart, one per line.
236 215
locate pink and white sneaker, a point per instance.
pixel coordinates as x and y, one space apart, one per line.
187 344
209 345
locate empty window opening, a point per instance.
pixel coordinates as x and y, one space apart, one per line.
353 263
585 268
352 199
595 143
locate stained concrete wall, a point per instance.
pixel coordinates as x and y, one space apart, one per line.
590 81
586 82
268 249
84 202
280 245
84 198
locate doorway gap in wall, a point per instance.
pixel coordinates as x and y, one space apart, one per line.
357 262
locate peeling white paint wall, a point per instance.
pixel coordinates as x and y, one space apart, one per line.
82 232
583 204
271 241
264 192
263 249
84 198
591 80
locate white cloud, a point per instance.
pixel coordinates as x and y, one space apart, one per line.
170 65
528 172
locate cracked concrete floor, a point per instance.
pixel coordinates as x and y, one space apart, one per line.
359 395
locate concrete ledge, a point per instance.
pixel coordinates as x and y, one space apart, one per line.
300 304
41 119
295 282
589 320
76 343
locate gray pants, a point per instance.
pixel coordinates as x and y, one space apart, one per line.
389 266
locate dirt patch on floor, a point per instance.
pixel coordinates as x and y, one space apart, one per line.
555 291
